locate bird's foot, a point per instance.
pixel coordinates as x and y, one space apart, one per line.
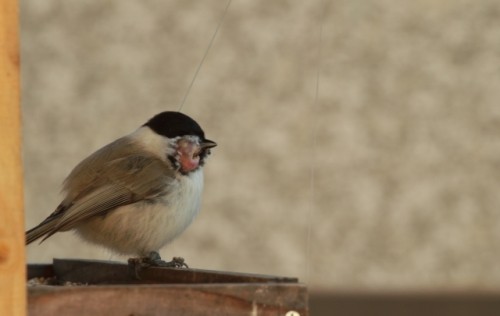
154 260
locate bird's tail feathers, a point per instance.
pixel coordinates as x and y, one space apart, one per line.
46 227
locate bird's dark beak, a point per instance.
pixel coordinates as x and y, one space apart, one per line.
208 144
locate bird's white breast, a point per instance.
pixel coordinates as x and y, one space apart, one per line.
140 228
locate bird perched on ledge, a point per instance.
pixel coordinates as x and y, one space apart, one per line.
138 193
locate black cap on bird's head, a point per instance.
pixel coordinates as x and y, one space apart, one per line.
173 124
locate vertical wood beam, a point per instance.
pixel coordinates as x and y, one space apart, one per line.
12 253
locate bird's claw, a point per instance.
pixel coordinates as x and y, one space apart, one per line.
154 260
177 262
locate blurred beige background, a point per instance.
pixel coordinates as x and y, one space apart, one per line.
396 166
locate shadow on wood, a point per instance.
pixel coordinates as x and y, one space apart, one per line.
405 303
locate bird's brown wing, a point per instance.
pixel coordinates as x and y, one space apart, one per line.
120 182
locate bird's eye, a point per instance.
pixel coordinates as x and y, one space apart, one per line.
197 153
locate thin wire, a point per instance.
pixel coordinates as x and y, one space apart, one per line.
205 55
312 171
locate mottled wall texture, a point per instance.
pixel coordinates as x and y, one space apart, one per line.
388 179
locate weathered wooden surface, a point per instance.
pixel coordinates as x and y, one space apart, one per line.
12 272
178 299
114 290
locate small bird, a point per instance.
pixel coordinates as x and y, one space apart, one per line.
138 193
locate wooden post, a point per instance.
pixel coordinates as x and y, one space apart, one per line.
12 257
